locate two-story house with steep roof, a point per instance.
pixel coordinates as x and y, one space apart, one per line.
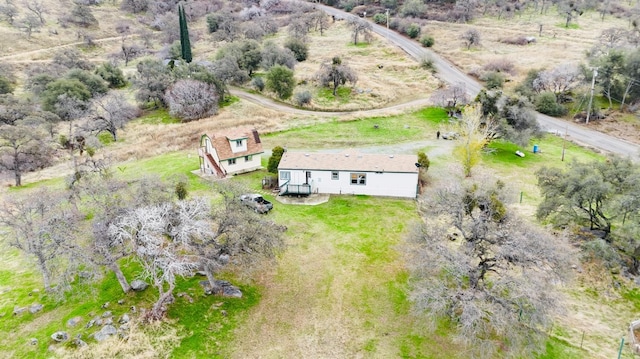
232 152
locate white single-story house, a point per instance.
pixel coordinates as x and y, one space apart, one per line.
235 151
348 172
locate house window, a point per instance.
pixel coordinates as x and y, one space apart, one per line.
285 175
359 178
247 158
232 161
238 143
334 175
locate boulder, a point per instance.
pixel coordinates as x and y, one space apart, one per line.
85 274
79 343
35 308
186 297
223 288
74 321
107 314
33 341
60 336
105 332
19 310
124 319
139 285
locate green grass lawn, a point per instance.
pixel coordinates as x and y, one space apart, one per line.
502 154
411 127
157 116
519 172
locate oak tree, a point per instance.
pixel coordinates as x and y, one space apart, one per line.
335 74
44 226
110 113
487 274
360 27
280 80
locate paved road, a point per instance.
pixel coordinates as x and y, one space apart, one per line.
451 74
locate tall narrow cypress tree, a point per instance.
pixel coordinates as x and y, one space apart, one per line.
185 44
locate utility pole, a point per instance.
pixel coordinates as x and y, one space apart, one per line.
593 84
564 141
387 19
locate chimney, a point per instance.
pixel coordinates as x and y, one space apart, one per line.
256 137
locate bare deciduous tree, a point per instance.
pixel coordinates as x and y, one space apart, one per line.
471 37
452 97
613 37
24 147
299 27
162 257
266 24
335 74
9 11
251 13
44 227
108 199
130 51
152 80
360 27
38 8
228 28
570 9
488 274
320 21
71 58
233 233
29 24
111 112
135 6
175 238
192 100
560 80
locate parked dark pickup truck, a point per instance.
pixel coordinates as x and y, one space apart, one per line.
256 202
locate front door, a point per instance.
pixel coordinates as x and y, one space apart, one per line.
307 176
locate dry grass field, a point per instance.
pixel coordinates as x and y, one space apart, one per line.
556 45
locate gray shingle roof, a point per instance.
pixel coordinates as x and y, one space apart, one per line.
348 161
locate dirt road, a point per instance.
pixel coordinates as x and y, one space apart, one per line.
278 106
